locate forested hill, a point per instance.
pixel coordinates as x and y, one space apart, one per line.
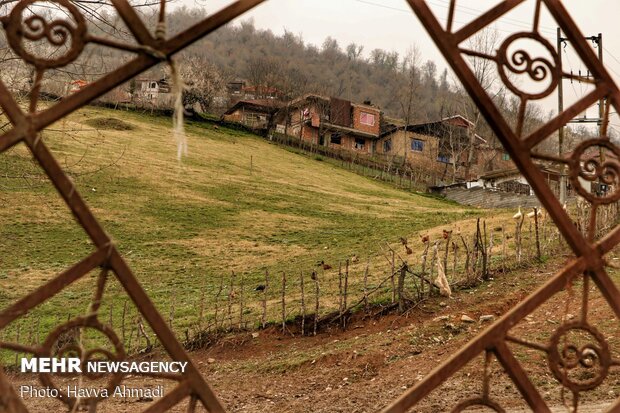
287 62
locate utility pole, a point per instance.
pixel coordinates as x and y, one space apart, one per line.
598 43
560 110
601 103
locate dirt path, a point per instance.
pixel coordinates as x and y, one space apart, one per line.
376 359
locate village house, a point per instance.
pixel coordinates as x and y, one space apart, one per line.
150 89
335 123
255 114
152 92
240 90
448 149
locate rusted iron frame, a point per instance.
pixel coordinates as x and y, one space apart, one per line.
87 220
165 335
589 256
10 106
519 377
134 23
26 127
142 63
126 72
66 188
10 139
448 45
82 213
51 288
9 398
171 399
562 119
488 339
585 52
489 111
482 21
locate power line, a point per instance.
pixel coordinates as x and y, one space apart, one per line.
519 23
504 20
613 57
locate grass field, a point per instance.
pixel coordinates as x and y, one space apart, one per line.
236 203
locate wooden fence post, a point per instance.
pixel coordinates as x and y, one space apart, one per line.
393 269
366 285
317 294
303 303
340 289
230 297
241 302
401 285
264 317
344 297
217 303
538 252
283 301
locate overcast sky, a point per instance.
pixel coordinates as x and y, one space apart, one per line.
390 25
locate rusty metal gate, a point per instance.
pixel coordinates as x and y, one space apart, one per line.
594 160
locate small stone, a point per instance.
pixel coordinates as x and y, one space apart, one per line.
328 388
210 360
467 319
443 304
485 318
255 335
442 318
345 379
451 327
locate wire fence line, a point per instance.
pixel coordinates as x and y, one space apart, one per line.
303 301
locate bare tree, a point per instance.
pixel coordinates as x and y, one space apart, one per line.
264 74
203 83
408 95
485 42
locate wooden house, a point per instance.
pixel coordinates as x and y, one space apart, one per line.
335 123
441 147
255 114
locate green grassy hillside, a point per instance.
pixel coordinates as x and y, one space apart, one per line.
236 203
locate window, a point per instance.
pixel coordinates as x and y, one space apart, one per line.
417 145
336 138
505 157
359 143
387 146
442 157
367 119
153 85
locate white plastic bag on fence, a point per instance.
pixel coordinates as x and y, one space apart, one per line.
441 281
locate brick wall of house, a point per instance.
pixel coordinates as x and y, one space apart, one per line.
233 117
491 159
310 134
357 115
347 143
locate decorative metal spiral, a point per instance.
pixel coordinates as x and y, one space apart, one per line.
537 69
596 160
58 33
579 367
53 347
